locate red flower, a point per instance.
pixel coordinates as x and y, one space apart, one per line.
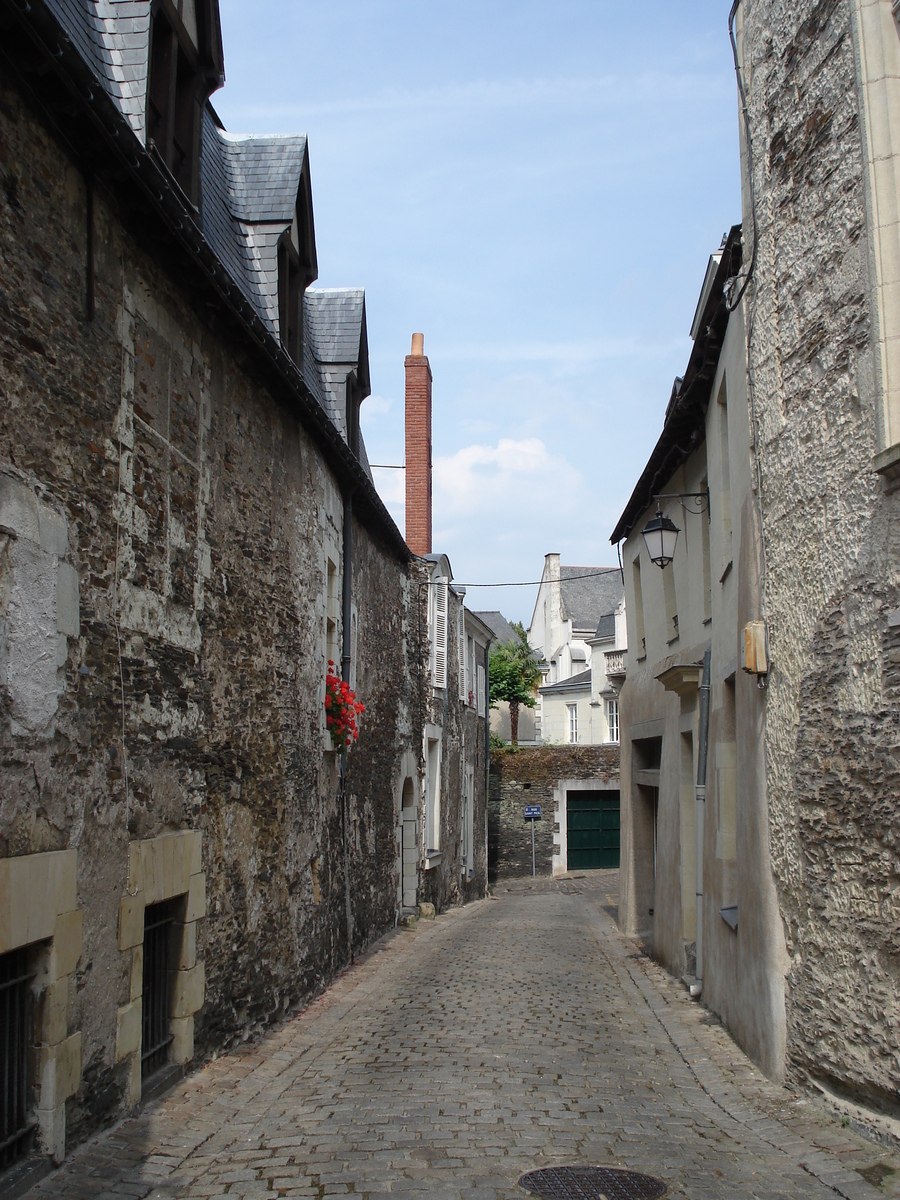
341 710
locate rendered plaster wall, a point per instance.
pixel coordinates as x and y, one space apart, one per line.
591 715
832 538
528 776
184 690
500 722
715 582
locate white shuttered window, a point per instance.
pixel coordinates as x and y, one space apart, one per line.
480 689
461 650
439 651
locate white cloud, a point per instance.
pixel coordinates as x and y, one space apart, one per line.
377 406
495 481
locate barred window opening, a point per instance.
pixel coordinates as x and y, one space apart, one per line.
16 1123
157 986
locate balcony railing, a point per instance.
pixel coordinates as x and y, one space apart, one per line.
615 663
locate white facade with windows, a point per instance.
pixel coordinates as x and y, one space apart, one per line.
443 844
579 628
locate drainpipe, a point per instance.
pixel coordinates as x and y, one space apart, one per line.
487 753
700 796
346 598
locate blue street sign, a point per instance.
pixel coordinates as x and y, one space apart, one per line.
532 812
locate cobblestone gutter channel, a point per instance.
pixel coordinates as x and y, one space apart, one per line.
519 1033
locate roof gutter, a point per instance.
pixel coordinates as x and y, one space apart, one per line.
139 166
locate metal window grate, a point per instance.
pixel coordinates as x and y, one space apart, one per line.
16 1130
156 1005
592 1183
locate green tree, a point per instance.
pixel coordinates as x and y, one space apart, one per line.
514 677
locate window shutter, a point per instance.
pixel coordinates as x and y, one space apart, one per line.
440 633
461 650
481 709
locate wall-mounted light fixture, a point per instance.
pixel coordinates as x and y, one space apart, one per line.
661 533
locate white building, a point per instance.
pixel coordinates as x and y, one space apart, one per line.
578 627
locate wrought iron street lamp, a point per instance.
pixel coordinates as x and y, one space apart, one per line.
660 536
661 533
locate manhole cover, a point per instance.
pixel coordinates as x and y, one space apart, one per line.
592 1183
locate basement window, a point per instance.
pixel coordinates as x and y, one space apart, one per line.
16 1123
156 1035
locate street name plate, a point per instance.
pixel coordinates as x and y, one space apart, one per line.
532 812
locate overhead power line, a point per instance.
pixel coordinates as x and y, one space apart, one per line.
538 582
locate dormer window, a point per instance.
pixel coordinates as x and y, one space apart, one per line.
352 414
185 68
296 270
291 286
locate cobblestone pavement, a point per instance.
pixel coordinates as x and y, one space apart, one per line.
521 1031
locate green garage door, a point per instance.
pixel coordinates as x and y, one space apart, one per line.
592 823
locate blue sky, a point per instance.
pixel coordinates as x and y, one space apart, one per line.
536 188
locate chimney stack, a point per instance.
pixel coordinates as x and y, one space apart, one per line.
418 448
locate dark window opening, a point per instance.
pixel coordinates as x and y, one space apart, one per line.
647 753
353 415
156 1035
16 1126
291 285
174 98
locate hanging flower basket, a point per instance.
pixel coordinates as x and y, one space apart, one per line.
341 711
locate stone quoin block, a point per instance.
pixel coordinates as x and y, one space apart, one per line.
136 975
131 921
182 1048
187 991
34 889
53 1020
185 937
54 536
67 600
19 509
196 901
128 1029
59 1071
67 943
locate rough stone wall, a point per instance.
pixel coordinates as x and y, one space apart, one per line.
198 517
528 776
831 551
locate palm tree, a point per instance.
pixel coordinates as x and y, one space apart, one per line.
514 676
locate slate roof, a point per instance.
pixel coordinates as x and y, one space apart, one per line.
684 424
499 626
575 683
113 37
606 627
588 593
249 190
335 333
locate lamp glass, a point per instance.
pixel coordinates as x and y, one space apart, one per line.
660 536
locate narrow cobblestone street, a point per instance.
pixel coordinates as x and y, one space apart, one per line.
521 1031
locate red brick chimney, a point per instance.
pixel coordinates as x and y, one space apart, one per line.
418 448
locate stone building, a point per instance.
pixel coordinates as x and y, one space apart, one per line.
814 873
696 880
822 84
578 617
445 822
188 534
576 789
